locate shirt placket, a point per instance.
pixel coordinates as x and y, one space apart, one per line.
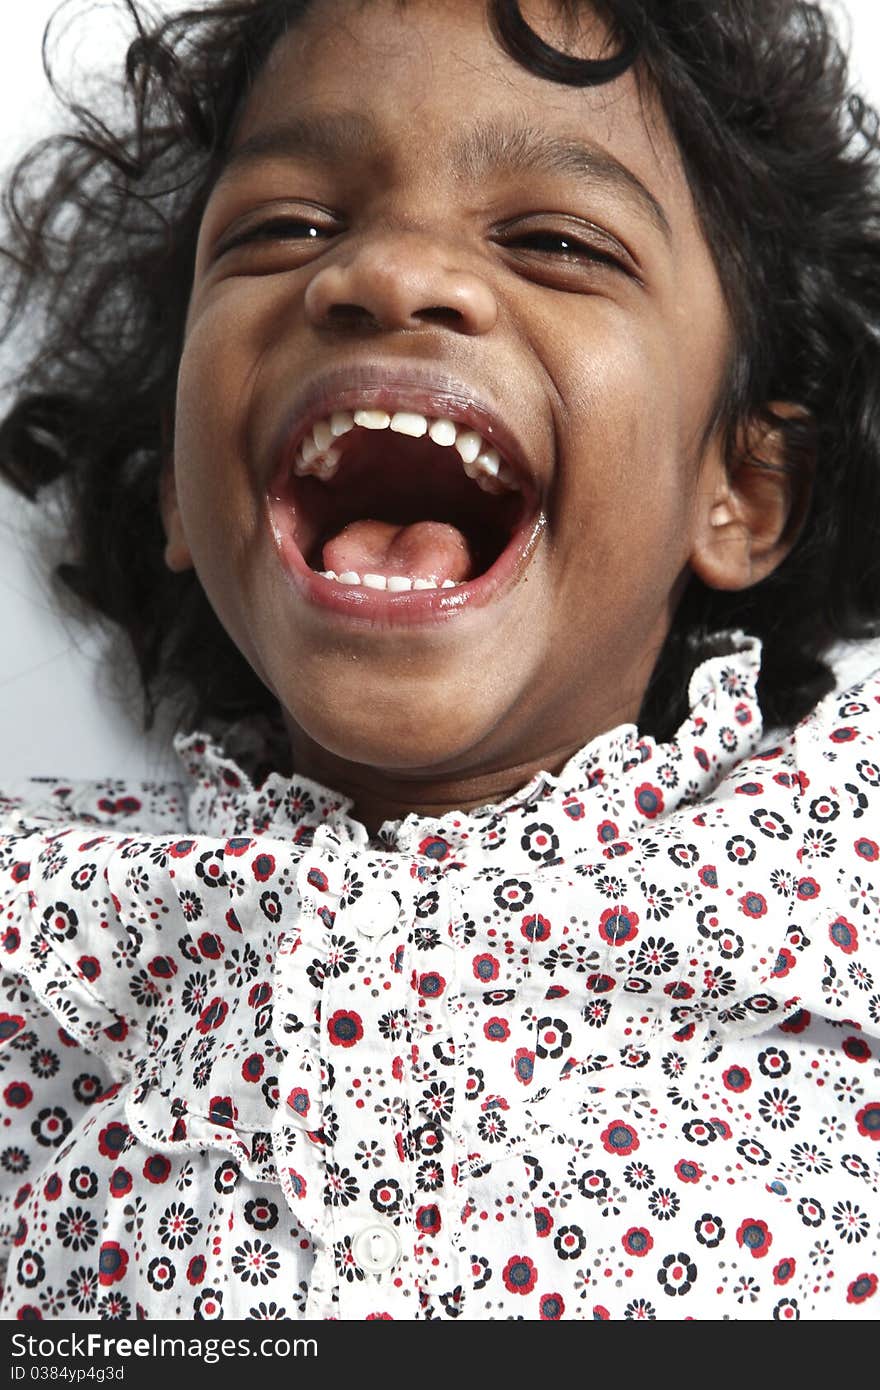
384 1007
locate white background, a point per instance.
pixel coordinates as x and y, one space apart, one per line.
58 712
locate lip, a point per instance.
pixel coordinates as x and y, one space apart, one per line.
433 395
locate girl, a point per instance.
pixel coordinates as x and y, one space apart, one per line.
472 411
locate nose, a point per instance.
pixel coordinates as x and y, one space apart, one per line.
402 281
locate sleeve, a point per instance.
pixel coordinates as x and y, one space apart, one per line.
59 928
788 868
835 959
752 907
47 1084
61 1046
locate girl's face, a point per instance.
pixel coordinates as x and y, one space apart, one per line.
411 222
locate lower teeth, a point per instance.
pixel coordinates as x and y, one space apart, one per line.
395 583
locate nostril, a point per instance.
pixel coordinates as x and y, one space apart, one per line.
441 314
350 316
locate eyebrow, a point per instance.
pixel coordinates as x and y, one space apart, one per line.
488 147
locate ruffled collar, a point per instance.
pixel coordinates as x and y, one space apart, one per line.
229 798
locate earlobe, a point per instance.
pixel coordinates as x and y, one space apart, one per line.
753 509
177 553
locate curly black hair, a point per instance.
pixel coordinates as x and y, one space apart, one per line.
781 157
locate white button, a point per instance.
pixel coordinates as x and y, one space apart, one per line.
376 1248
378 916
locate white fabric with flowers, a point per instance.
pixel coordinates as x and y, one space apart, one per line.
605 1050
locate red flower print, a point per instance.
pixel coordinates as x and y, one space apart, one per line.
430 985
754 1237
253 1067
862 1287
121 1182
784 1270
18 1094
112 1262
263 867
299 1100
638 1241
427 1220
551 1307
808 889
753 904
519 1274
535 928
524 1065
619 1138
688 1171
618 926
157 1168
868 1120
212 1016
112 1139
649 800
857 1049
797 1023
844 935
345 1028
496 1030
486 968
736 1079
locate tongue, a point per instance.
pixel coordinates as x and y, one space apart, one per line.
423 550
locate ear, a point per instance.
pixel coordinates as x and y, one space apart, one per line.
177 553
753 507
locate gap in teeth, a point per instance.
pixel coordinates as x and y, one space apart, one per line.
319 456
393 583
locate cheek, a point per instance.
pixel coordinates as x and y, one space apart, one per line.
627 473
212 451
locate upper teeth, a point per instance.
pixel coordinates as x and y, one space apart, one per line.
318 454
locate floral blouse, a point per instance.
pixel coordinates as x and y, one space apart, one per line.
607 1049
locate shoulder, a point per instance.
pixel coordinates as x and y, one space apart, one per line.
837 743
44 803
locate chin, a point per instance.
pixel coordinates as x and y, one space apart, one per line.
389 738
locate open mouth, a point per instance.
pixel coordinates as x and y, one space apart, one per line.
398 501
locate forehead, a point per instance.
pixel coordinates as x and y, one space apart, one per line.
389 80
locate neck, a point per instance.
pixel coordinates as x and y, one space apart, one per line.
380 794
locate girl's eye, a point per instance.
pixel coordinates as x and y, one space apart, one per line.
566 250
278 229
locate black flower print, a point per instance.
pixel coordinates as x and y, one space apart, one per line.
241 966
261 1214
656 956
341 1186
82 1289
540 842
45 1062
677 1274
347 1266
114 1307
513 895
77 1229
851 1222
352 890
255 1262
663 1203
269 1312
341 956
779 1108
51 1127
178 1226
386 1196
